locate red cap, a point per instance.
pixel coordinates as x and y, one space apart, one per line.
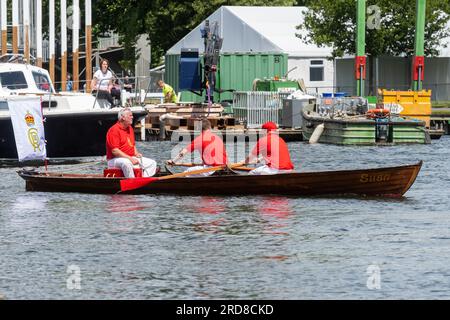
269 126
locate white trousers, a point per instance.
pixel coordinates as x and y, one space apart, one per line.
147 165
204 174
265 169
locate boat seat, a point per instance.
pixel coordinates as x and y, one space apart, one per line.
117 173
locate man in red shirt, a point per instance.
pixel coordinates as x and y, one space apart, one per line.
274 151
209 145
121 151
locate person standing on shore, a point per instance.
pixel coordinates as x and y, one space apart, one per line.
169 94
69 83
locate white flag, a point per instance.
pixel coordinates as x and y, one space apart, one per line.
26 117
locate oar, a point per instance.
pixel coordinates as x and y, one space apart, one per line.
241 167
135 183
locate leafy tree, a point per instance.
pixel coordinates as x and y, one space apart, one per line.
125 17
166 22
333 23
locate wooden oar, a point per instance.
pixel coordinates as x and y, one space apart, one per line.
241 167
135 183
186 164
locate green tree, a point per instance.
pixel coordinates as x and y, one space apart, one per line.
333 23
166 22
127 19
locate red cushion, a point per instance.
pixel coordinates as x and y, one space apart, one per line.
117 173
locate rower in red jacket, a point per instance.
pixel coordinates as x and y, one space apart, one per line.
209 145
274 151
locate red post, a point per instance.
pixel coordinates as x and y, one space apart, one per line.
418 66
360 67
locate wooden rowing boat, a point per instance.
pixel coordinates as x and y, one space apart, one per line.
387 181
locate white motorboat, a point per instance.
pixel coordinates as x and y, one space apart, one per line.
75 122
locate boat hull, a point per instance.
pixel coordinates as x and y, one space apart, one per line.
390 181
70 135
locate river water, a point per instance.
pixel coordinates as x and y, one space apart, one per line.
78 246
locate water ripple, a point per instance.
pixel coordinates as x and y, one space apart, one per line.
170 247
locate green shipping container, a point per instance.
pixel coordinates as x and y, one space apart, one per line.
275 85
236 71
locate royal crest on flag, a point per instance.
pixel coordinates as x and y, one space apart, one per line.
28 126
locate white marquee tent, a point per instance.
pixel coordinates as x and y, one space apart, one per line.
265 30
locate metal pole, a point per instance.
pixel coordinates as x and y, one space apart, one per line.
63 45
26 30
88 44
4 21
15 28
419 80
360 43
419 40
361 82
377 80
52 38
75 44
39 33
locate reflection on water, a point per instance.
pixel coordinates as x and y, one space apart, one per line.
276 211
208 209
211 215
124 203
277 207
29 203
209 205
126 217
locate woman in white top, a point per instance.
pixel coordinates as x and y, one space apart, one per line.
102 82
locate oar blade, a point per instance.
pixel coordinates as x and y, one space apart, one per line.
135 183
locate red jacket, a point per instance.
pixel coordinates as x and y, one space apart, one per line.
274 151
211 148
123 139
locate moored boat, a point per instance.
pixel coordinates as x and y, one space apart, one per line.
387 181
75 122
361 128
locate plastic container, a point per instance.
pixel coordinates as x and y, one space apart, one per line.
340 94
327 95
